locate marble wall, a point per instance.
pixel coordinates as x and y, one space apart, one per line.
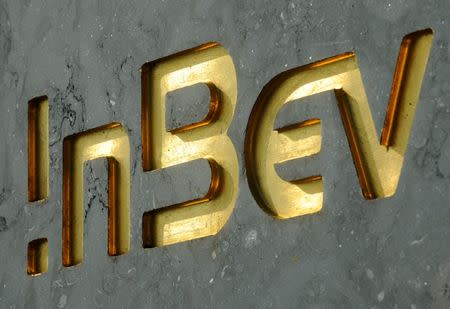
86 55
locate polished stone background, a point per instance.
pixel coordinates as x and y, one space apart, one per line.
86 56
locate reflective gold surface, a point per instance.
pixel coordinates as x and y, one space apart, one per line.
378 164
111 142
37 257
38 157
210 64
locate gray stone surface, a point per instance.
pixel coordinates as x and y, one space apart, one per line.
86 55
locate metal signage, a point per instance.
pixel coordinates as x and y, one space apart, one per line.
378 163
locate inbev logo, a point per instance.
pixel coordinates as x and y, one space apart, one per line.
378 163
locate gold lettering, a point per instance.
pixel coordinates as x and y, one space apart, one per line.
37 257
111 142
210 64
378 165
38 157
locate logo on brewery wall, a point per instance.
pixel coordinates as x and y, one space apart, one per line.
378 163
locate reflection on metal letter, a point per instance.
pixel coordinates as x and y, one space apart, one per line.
210 64
378 164
111 142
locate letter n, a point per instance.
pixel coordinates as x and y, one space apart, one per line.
109 141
